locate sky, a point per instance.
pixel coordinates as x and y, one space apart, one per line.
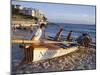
63 13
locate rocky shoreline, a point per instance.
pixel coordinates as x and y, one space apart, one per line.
83 59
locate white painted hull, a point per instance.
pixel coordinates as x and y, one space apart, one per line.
45 50
44 53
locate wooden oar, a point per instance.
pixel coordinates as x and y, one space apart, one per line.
31 41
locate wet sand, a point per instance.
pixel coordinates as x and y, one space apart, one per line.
83 59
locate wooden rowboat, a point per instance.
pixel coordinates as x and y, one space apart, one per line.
45 50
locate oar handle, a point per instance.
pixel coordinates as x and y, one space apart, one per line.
31 41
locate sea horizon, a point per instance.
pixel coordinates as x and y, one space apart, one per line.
71 23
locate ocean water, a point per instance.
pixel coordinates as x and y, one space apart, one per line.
77 29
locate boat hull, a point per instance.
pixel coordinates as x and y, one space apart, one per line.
45 53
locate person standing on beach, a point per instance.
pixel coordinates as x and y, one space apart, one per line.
39 33
29 49
84 40
87 40
13 27
57 37
69 36
31 28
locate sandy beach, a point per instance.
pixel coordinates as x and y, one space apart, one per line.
83 59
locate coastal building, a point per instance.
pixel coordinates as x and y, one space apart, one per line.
34 12
27 11
17 7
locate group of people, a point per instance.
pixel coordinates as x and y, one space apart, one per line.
57 37
83 39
